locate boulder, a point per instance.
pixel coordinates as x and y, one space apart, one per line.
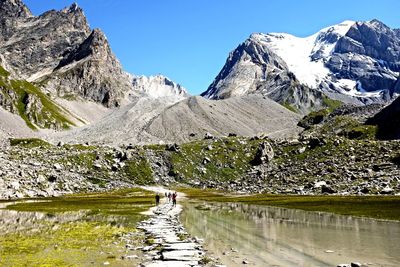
264 154
208 136
327 189
173 147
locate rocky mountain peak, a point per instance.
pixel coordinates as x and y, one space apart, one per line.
158 86
14 9
378 24
73 8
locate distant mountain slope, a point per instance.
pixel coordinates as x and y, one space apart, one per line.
158 86
152 120
354 62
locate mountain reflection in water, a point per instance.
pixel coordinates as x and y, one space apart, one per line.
270 236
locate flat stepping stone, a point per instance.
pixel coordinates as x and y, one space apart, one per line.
181 246
181 255
171 264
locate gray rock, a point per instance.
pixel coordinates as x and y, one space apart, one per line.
387 191
208 136
57 167
264 154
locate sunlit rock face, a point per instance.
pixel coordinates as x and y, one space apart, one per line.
354 62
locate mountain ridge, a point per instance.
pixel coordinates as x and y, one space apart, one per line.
324 62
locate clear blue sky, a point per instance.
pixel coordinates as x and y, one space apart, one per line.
189 40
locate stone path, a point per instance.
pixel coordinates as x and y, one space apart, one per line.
168 242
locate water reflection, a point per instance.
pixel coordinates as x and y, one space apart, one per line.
268 236
69 238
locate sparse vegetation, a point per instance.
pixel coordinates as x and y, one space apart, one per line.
29 143
139 170
290 107
313 118
3 72
331 104
34 107
225 159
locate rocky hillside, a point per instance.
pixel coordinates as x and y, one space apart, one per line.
354 62
37 109
150 120
332 165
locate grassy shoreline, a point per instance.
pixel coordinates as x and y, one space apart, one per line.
377 207
74 230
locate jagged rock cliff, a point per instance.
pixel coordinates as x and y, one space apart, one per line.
91 71
56 57
58 50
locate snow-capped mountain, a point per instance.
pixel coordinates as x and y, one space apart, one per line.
158 86
356 62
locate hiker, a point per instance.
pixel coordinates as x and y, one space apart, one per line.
157 199
169 197
174 195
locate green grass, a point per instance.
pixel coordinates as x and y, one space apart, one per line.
121 202
139 170
348 127
314 117
290 107
3 72
331 104
378 207
43 112
29 142
70 97
80 159
49 115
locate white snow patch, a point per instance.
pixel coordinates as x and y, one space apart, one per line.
355 89
297 51
347 83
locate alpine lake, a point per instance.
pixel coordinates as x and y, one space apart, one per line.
100 229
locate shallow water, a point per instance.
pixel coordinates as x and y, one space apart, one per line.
84 230
270 236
